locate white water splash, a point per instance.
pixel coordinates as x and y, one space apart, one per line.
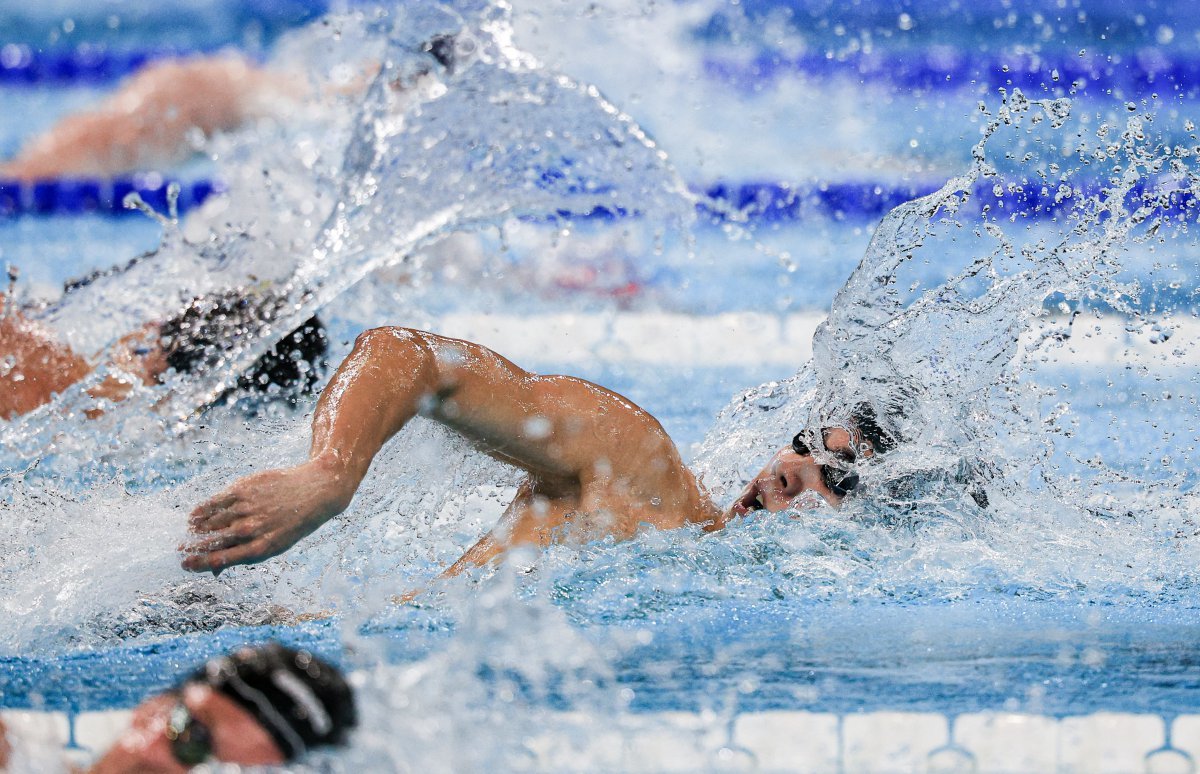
960 328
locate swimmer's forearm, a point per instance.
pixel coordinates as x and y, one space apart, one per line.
376 390
372 395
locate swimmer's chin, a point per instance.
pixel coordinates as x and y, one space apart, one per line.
750 500
811 501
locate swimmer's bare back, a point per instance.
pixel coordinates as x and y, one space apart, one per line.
149 120
597 465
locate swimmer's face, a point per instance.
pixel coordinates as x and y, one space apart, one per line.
141 353
791 478
232 734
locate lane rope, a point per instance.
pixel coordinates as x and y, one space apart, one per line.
720 202
1136 71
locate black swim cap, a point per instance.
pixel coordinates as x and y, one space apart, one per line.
301 701
201 335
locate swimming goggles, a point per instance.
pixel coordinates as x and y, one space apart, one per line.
191 740
840 482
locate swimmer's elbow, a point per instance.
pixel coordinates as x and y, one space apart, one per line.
402 355
386 336
392 343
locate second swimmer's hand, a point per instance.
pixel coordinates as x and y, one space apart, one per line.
262 515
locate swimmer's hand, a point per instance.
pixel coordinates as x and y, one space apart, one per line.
407 598
263 515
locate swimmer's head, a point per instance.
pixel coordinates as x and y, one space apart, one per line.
821 466
260 706
803 473
211 326
299 700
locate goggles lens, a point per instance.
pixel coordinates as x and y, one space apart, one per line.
191 740
840 482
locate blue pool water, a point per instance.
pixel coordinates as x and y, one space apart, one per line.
775 654
1043 336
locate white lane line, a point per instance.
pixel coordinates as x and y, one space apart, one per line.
732 338
784 740
738 338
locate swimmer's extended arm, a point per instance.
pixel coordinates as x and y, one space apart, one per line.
147 121
558 428
33 366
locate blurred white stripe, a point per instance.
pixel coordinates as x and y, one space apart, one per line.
781 741
738 338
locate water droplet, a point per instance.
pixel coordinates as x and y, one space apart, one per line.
538 427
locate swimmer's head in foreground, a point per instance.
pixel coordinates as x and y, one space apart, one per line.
260 706
798 470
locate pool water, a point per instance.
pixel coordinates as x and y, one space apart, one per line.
880 637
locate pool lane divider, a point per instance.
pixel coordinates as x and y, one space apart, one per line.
721 202
1133 72
70 196
22 65
1136 71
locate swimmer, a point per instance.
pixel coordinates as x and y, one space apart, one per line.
261 706
164 113
267 705
35 365
596 465
153 118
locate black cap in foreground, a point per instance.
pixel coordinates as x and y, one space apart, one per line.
301 701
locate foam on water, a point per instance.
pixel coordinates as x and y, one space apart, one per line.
952 327
975 414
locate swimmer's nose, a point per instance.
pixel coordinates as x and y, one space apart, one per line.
789 474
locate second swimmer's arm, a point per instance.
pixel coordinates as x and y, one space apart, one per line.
147 121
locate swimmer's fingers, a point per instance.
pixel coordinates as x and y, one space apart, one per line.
196 551
211 506
215 541
220 520
407 598
218 560
218 513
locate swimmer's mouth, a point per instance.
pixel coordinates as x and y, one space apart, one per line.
751 500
